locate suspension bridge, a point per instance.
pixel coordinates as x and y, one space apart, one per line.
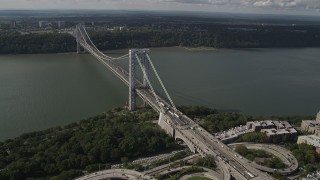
137 71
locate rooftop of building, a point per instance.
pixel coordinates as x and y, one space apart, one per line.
311 123
277 124
315 140
274 131
233 132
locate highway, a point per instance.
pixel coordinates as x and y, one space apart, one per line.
208 174
149 174
115 173
166 167
283 154
225 155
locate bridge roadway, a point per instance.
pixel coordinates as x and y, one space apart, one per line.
204 142
115 173
227 159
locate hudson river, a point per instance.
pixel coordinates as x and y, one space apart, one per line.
46 90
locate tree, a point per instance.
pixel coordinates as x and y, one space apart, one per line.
242 150
256 137
63 152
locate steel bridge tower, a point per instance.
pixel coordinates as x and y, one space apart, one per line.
133 83
78 38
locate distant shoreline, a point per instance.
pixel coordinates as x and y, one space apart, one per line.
186 48
200 48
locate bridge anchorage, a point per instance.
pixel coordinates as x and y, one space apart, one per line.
138 72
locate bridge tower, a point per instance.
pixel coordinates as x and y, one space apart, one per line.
78 38
78 47
77 34
133 64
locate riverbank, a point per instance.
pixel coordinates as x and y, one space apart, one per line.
15 43
200 48
125 50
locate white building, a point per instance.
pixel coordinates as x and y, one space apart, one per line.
289 132
43 24
267 124
312 140
312 126
232 134
273 129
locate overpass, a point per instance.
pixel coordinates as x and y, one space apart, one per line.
283 154
115 173
138 72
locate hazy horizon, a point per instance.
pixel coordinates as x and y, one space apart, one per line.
276 7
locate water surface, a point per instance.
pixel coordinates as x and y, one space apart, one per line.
41 91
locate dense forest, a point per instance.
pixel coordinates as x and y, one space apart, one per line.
112 137
65 152
15 43
216 36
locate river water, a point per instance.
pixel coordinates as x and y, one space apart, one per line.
41 91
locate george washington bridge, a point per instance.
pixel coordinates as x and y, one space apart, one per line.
137 71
